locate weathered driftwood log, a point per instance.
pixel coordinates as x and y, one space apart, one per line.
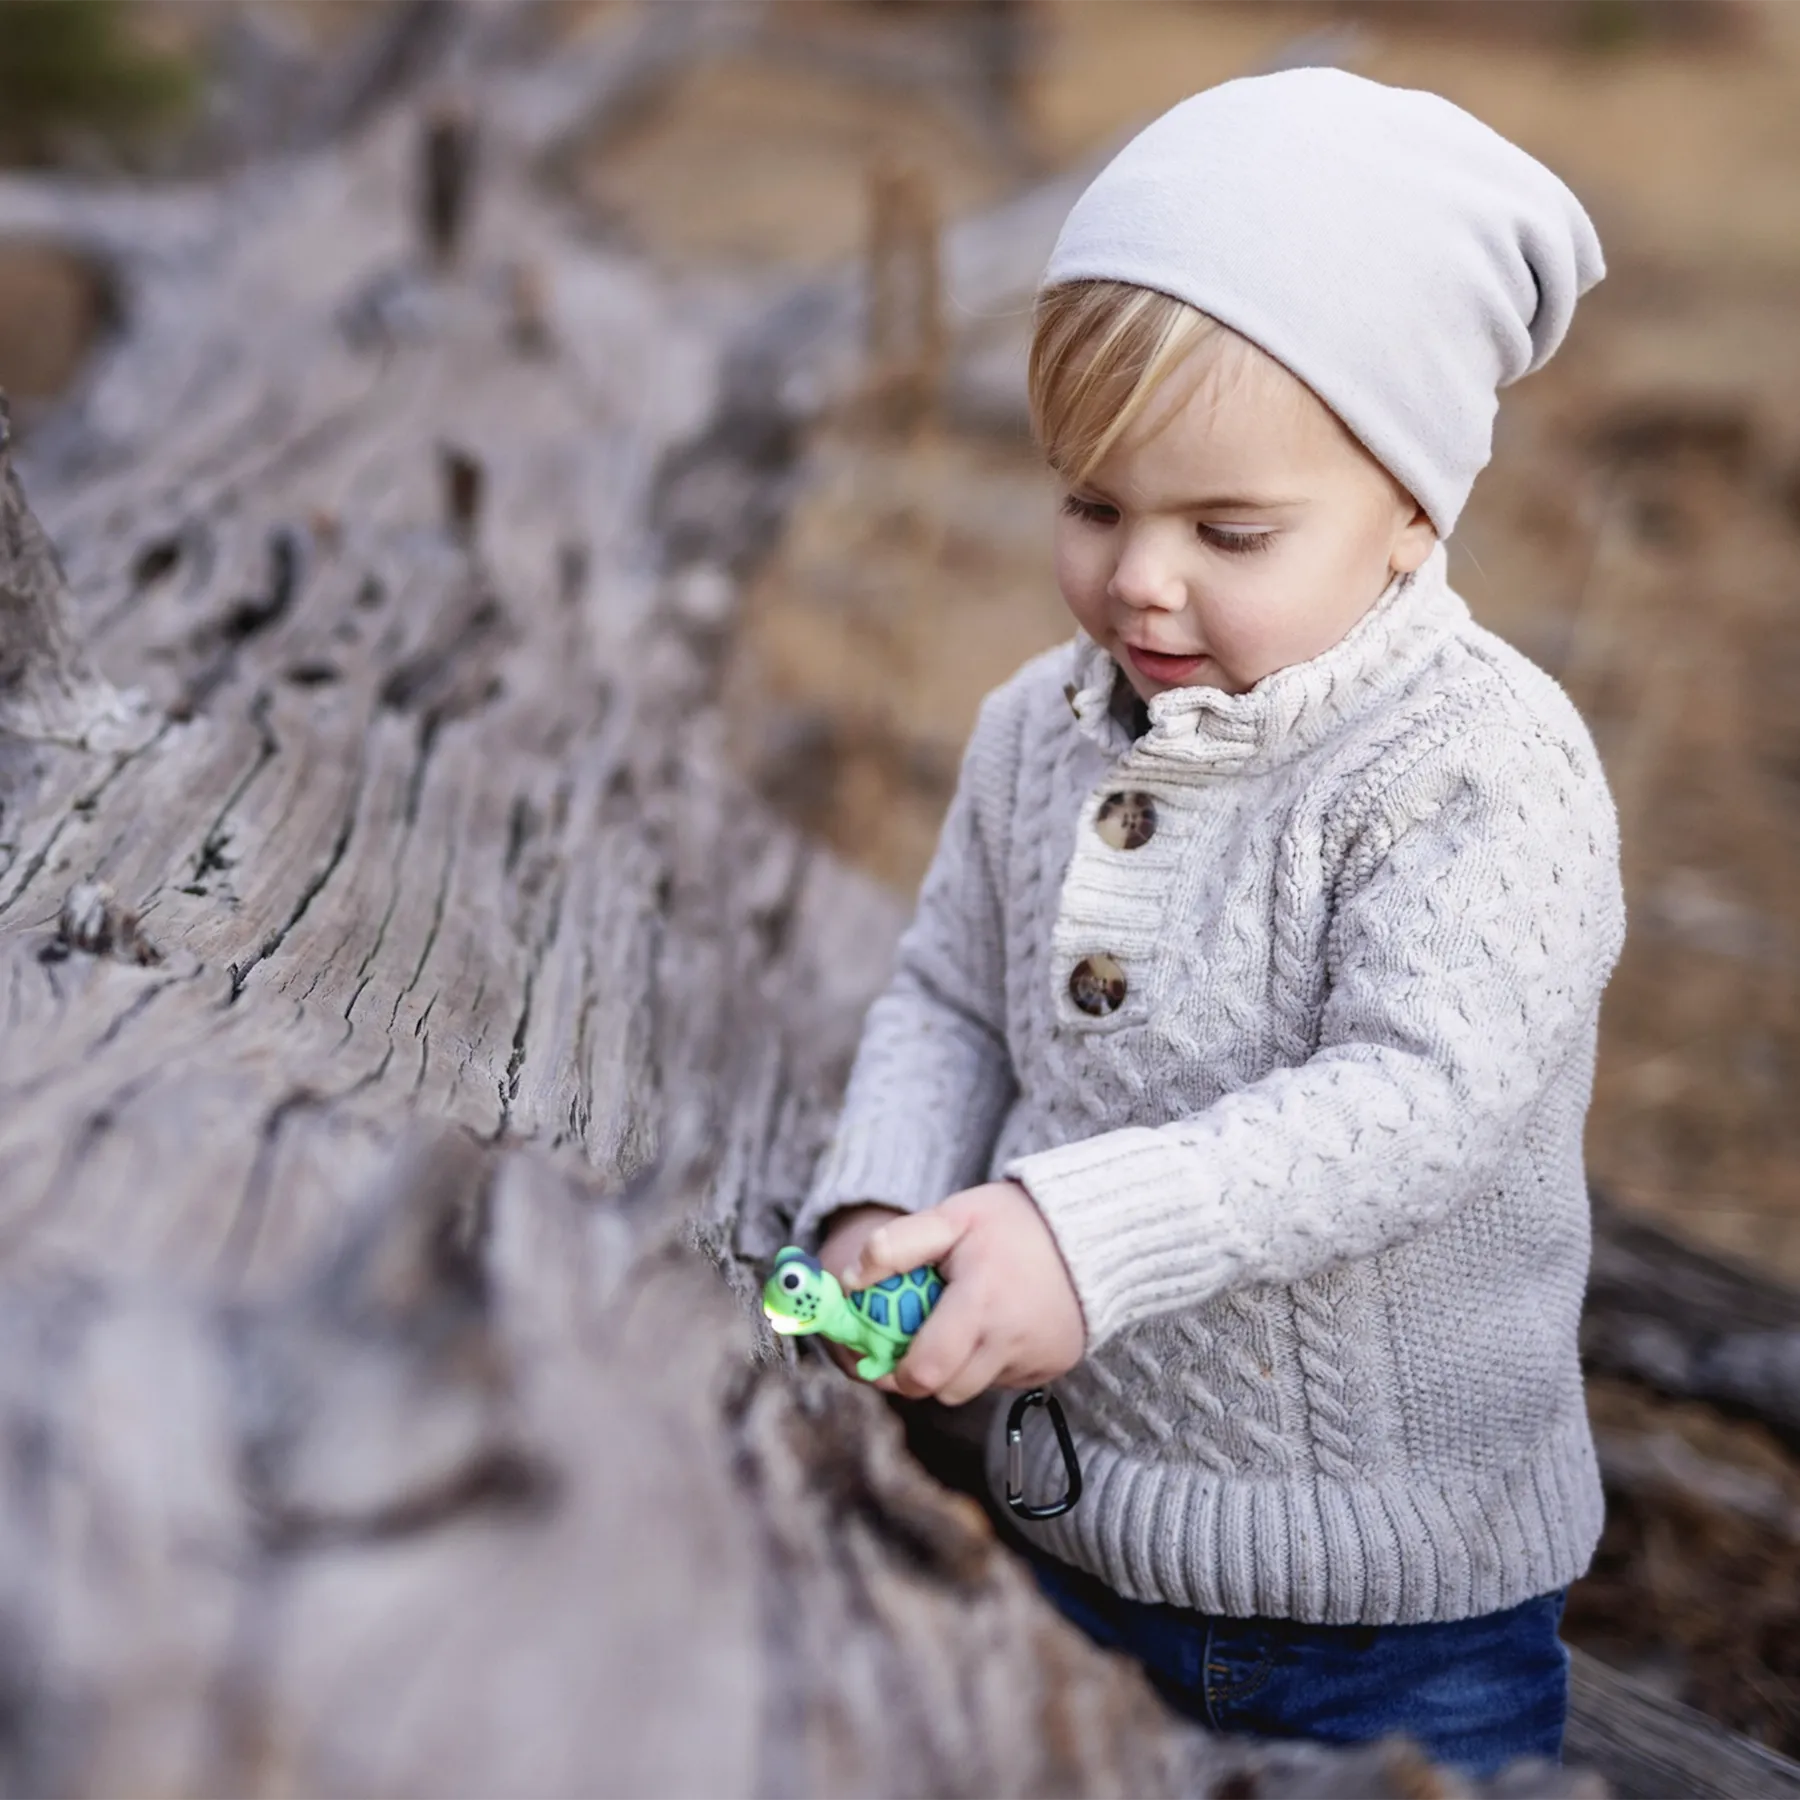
48 692
1691 1325
415 809
498 1500
1651 1747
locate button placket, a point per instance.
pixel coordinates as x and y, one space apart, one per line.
1109 919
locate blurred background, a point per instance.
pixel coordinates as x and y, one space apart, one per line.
1638 533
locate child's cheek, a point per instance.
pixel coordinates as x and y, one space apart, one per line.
1082 572
1290 609
1247 627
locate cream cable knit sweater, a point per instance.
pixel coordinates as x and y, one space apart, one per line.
1298 1080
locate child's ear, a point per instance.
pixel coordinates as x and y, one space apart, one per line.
1416 541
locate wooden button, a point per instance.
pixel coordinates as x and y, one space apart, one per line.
1097 985
1126 821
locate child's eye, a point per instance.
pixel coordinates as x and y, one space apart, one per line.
1095 512
1235 543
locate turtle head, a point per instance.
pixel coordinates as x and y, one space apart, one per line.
797 1295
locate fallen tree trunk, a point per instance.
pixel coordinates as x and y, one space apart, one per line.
1661 1312
363 769
498 1501
1650 1747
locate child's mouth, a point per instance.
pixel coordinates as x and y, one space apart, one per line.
1155 666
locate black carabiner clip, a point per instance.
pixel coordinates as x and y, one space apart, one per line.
1015 1456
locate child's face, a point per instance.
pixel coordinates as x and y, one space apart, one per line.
1235 530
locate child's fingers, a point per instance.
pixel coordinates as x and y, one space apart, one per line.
900 1245
945 1343
985 1366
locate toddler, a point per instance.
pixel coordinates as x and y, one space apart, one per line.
1235 1065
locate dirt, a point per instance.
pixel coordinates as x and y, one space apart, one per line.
913 579
798 142
53 307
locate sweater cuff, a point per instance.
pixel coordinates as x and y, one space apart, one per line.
877 1163
1140 1229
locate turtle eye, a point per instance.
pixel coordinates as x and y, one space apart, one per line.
791 1281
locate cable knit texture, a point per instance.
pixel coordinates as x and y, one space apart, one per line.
1318 1177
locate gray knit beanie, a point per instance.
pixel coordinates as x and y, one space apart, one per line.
1397 255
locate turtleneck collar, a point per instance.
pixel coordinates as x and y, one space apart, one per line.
1286 713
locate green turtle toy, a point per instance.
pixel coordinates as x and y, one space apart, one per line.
802 1296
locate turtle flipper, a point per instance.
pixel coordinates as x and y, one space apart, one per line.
877 1364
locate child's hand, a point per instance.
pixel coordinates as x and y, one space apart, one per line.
851 1227
1009 1316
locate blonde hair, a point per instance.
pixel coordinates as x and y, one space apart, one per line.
1099 352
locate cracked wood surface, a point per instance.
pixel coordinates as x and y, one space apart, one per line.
418 824
460 1512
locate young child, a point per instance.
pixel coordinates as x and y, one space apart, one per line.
1235 1066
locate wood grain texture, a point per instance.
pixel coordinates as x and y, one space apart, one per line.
499 1498
1694 1326
1652 1747
401 824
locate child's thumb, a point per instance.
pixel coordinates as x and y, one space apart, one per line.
902 1244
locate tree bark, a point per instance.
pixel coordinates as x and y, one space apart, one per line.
1651 1747
1667 1315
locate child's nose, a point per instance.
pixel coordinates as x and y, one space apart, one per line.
1147 575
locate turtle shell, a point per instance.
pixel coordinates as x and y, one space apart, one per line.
897 1307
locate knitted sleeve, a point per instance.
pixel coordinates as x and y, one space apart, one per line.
933 1077
1475 925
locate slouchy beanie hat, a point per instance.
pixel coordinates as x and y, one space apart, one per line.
1401 258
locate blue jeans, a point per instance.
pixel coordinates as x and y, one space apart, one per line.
1474 1692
